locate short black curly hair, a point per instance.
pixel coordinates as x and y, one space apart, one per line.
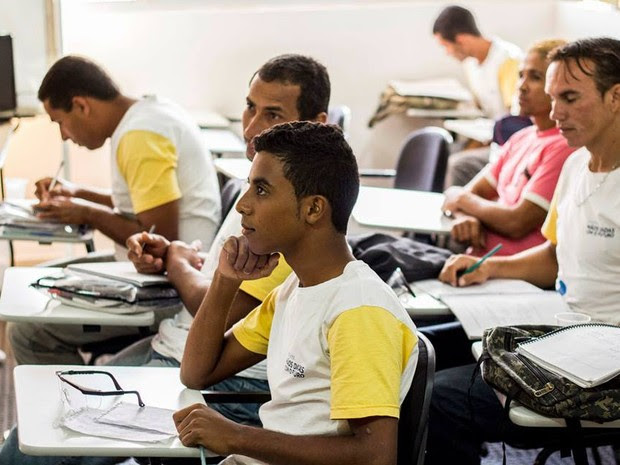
311 77
74 76
454 20
317 160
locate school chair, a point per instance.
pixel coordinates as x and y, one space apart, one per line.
413 421
422 161
340 115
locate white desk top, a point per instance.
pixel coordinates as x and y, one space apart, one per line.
235 168
220 141
480 129
376 207
523 416
209 119
38 401
401 209
19 302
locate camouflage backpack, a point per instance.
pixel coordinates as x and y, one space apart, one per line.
537 388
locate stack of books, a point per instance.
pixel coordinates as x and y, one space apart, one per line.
19 219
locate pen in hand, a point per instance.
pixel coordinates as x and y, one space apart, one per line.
55 178
151 231
476 265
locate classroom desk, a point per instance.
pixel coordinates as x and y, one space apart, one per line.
234 168
208 119
401 209
423 305
38 402
220 141
20 302
523 416
480 129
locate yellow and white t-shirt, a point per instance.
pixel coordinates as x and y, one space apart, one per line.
584 224
343 349
159 157
494 81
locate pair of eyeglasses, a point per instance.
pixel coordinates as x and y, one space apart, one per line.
96 392
399 284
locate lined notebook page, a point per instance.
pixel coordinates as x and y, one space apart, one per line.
588 354
476 312
439 290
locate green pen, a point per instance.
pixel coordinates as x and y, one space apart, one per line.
476 265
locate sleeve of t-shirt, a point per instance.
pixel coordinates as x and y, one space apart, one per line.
549 227
252 332
148 161
369 349
260 288
539 189
508 77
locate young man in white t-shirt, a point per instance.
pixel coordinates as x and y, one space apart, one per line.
286 88
581 256
161 172
491 67
341 350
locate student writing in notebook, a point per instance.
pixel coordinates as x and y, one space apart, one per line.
581 256
161 174
490 65
286 88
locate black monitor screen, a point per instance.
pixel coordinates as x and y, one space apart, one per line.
8 100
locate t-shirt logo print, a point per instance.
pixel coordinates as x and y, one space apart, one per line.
294 368
594 229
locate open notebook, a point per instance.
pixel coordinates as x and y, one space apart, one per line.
120 271
497 302
588 354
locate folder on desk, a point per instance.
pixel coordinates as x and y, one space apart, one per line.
444 88
19 218
119 271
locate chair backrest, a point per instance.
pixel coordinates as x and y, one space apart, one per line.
230 192
423 160
340 115
413 422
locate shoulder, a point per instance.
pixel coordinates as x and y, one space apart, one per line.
362 287
157 115
508 49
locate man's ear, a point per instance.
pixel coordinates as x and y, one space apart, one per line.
314 207
321 117
614 97
81 105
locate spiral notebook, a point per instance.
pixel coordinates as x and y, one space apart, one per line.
588 355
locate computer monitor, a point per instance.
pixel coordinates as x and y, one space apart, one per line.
8 98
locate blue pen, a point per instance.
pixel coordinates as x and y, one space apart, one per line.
476 265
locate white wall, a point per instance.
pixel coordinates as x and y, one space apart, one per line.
579 20
203 53
25 21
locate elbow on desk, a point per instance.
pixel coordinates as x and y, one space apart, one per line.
191 380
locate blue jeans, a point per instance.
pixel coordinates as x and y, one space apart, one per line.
465 415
